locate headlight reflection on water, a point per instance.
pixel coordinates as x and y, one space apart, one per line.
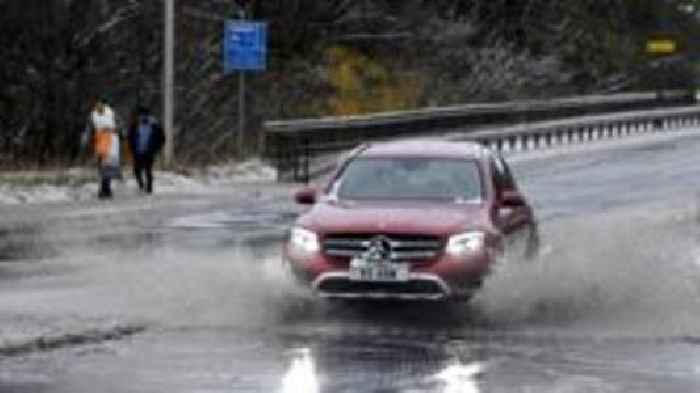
301 376
460 378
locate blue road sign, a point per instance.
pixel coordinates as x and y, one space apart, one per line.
245 46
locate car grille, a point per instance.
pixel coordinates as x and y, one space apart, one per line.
403 247
416 287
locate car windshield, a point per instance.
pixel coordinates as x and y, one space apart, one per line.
410 178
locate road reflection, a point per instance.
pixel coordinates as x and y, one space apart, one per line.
301 376
358 371
460 378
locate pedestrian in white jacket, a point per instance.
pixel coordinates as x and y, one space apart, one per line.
102 132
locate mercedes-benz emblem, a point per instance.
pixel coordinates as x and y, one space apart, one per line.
379 249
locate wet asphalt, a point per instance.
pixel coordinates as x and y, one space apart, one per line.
612 305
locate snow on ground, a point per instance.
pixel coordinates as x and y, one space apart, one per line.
252 171
71 185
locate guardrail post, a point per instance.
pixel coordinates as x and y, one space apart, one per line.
278 153
307 161
295 159
502 144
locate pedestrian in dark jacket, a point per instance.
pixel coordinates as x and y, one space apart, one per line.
146 138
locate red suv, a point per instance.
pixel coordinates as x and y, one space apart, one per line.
412 220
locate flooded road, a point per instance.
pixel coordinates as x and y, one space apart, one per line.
612 305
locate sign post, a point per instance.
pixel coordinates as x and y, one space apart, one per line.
245 49
662 47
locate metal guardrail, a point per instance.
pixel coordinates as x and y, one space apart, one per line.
293 145
582 129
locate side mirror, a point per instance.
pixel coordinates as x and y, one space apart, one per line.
512 198
306 196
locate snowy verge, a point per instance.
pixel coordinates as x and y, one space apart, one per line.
80 184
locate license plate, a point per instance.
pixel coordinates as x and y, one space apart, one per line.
364 271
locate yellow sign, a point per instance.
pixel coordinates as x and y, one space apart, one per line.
662 46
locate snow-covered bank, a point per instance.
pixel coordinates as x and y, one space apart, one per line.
80 184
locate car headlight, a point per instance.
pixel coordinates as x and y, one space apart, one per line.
304 240
466 243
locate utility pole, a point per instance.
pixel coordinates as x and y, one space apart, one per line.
241 99
169 81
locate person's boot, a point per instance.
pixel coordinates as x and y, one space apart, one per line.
149 183
105 190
